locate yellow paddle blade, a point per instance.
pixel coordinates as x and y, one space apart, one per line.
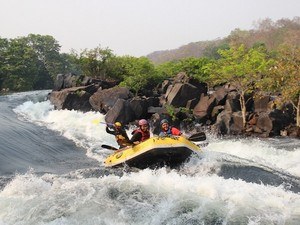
96 121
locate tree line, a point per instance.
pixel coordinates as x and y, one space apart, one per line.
33 62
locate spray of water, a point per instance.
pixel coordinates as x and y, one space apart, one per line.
196 194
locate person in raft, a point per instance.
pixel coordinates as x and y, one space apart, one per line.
142 133
120 134
167 130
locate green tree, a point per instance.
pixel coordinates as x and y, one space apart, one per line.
47 50
94 62
138 73
30 62
20 66
284 77
168 69
4 43
195 67
242 68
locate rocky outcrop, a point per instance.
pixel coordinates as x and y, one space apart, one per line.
72 98
130 110
104 100
70 80
183 91
182 98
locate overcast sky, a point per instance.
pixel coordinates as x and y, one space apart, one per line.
136 27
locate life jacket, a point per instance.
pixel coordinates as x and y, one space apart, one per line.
170 131
121 138
145 135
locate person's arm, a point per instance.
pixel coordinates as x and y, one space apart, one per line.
124 134
136 138
162 134
175 131
110 131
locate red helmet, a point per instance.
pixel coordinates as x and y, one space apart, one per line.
143 122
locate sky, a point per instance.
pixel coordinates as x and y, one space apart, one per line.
136 27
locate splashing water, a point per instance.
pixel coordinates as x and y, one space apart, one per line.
234 181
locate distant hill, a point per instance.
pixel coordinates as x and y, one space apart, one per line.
271 34
194 49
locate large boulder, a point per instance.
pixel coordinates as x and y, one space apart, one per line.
269 123
204 107
76 98
184 91
131 109
220 94
72 80
180 94
261 104
229 123
59 82
139 107
104 100
121 111
232 103
222 125
236 125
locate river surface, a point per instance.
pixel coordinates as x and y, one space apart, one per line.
52 172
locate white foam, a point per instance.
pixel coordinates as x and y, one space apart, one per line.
144 197
79 127
74 125
260 152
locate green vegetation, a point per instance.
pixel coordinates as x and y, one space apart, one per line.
31 62
241 68
284 77
266 58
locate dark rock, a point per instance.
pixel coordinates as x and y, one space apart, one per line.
236 123
157 110
222 125
216 111
59 82
264 122
192 103
221 95
293 131
204 107
121 111
70 80
153 101
104 100
181 93
71 98
164 86
261 104
232 103
139 107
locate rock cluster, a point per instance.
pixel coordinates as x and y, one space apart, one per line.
184 100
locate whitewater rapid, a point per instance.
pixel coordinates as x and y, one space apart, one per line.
234 181
81 128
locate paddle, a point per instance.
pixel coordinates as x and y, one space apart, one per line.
97 121
109 147
200 136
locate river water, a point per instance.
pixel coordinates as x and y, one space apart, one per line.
52 172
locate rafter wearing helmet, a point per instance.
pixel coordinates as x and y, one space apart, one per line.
167 130
142 133
120 134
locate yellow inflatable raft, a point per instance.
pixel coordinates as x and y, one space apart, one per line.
154 152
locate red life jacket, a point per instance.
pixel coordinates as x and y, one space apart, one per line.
145 135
